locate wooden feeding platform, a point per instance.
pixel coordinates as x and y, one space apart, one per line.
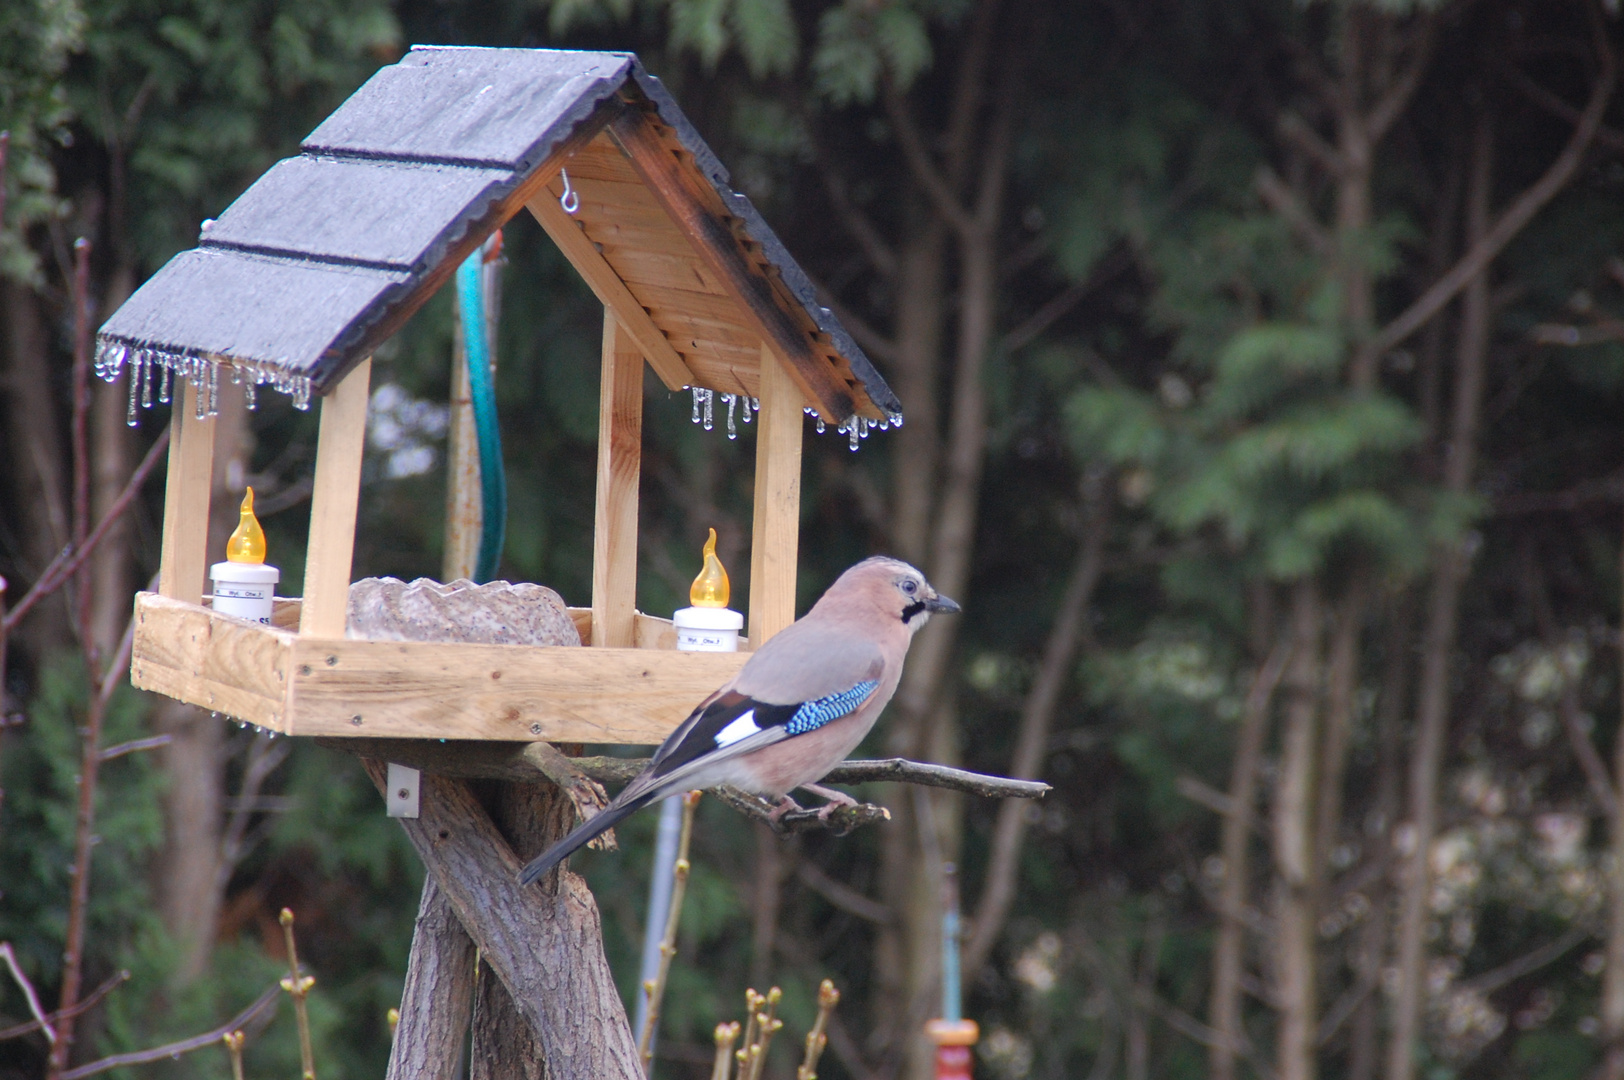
329 253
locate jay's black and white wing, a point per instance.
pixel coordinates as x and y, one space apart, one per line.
780 694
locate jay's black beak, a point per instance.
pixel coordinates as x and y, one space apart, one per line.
942 604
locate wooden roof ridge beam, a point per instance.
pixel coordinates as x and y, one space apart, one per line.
610 290
694 205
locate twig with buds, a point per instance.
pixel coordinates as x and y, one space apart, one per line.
298 986
816 1040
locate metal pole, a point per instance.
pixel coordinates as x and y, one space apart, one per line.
659 902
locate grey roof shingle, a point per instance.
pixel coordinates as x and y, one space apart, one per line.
329 252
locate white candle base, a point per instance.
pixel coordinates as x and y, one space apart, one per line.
245 590
707 629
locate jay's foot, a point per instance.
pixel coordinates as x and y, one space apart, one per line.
785 805
836 799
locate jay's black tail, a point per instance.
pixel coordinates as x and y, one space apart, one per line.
581 835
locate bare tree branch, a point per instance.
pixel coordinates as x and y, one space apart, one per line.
135 745
1398 95
1515 216
1037 717
880 254
1056 307
918 160
1526 964
113 677
1296 131
1312 71
873 341
17 976
262 1005
1277 196
88 1002
1609 137
263 758
1343 1008
1608 489
841 895
68 562
478 758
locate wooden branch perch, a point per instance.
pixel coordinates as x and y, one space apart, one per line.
477 759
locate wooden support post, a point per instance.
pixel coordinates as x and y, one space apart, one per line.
333 505
544 941
439 994
776 532
186 499
529 816
464 512
620 455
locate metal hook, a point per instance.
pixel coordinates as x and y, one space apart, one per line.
571 199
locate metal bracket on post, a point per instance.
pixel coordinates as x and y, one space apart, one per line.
402 792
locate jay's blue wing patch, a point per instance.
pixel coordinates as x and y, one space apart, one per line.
814 714
734 717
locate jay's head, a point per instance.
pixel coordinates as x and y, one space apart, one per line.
897 589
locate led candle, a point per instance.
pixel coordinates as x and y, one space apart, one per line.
709 626
243 585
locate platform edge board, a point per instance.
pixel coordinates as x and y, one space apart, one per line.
507 692
422 690
231 701
199 643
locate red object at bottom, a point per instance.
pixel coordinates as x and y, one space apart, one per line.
953 1063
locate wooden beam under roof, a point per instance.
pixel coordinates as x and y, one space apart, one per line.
610 290
695 206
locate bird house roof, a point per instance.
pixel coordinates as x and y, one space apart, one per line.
329 253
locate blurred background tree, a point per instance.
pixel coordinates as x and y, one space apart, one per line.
1262 366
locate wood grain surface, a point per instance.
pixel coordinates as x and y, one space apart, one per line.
333 503
620 462
439 993
186 498
544 942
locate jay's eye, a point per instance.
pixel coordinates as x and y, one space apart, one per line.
909 586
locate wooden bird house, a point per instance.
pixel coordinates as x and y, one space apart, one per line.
329 253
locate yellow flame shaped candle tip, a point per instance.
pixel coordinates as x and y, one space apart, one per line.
710 588
247 543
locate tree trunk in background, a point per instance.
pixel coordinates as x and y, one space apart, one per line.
1229 952
111 581
769 889
1612 1001
190 888
1449 574
921 273
919 332
1371 949
1294 855
937 507
38 469
1341 685
1037 717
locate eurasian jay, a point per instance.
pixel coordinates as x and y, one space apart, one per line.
800 704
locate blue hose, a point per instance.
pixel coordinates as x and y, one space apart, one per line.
482 391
